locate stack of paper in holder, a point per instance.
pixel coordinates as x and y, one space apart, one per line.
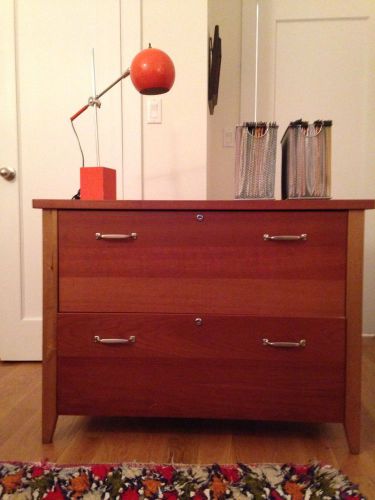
255 160
306 160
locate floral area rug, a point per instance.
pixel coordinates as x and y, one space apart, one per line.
23 481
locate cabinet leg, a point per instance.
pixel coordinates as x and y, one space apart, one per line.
49 406
353 434
48 428
50 301
354 278
49 396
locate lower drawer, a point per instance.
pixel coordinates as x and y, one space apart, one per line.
204 367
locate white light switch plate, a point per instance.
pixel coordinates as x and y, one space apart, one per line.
228 137
154 110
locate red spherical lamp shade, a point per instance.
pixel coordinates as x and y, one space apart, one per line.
152 72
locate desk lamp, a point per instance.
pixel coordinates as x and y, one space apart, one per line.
152 72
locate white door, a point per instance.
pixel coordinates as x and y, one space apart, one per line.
317 61
46 76
10 223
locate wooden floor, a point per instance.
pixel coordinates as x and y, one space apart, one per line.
96 440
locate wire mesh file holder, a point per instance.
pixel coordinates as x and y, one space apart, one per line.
255 160
306 160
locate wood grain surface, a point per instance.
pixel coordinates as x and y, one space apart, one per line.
354 329
300 204
222 263
206 260
218 369
50 304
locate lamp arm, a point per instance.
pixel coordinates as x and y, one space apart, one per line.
94 101
124 75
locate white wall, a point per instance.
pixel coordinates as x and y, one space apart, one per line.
174 152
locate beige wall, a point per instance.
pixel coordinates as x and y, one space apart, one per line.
220 158
184 157
340 46
174 152
181 158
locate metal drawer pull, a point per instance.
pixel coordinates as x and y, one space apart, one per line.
130 340
285 237
131 236
301 343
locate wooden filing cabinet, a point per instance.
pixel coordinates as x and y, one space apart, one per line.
203 309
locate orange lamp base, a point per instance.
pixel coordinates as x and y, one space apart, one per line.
98 183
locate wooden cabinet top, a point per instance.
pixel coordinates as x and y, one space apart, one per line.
300 204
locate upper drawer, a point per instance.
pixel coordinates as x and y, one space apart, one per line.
186 261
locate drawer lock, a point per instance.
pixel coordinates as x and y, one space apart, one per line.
301 343
130 340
